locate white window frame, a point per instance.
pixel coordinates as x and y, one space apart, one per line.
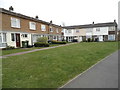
15 22
32 25
113 36
69 31
43 27
97 29
3 39
57 30
14 37
51 29
77 31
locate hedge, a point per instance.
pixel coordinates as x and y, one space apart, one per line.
58 42
41 44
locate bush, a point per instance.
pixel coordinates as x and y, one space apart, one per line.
89 40
58 42
42 39
41 44
74 40
9 47
84 39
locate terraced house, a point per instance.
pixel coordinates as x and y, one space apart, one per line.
15 28
97 32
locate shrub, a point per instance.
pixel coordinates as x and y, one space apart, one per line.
42 39
41 44
58 42
84 39
74 40
89 40
9 47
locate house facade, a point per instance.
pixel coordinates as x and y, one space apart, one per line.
15 28
97 32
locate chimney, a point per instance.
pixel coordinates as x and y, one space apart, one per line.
93 22
51 22
36 17
115 21
11 8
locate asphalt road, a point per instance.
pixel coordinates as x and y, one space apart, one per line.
102 75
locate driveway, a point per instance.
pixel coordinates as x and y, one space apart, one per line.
102 75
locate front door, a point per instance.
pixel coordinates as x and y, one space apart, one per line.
17 40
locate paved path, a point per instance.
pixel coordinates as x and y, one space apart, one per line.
20 53
103 75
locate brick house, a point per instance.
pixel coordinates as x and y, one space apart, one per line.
16 27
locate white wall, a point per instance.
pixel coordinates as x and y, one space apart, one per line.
68 34
9 41
103 31
28 38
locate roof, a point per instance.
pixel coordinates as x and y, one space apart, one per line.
91 25
2 10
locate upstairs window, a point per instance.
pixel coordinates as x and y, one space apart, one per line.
77 31
57 30
43 28
69 31
32 25
97 29
15 22
51 29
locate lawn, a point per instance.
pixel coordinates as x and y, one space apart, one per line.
54 67
6 52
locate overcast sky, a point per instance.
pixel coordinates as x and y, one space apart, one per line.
71 12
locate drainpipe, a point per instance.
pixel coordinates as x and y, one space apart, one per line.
116 37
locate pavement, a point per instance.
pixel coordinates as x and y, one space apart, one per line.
104 74
20 53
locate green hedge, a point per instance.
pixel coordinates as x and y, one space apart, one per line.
58 42
41 44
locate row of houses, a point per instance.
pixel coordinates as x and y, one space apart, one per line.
96 32
16 27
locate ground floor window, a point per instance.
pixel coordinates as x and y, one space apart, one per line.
111 37
12 37
3 40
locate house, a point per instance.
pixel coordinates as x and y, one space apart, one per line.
96 32
16 27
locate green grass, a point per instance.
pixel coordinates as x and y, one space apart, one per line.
54 67
6 52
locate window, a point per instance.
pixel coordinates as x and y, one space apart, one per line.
12 37
32 25
4 37
25 35
77 31
51 29
0 37
65 31
15 22
57 30
69 31
111 37
43 27
97 29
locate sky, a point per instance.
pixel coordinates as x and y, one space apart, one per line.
69 12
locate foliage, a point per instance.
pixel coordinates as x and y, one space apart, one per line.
9 47
58 42
42 39
41 44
